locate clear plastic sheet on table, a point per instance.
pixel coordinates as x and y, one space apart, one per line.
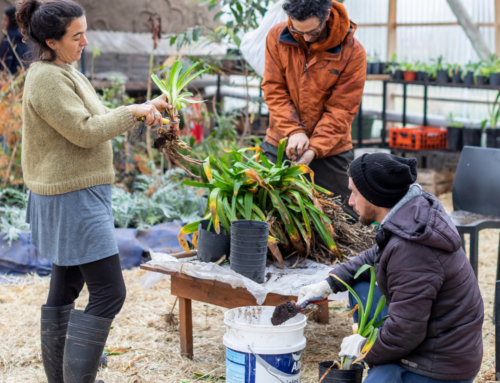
285 281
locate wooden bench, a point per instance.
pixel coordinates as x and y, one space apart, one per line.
217 293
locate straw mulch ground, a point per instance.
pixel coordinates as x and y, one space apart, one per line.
141 325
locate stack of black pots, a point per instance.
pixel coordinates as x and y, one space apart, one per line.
245 246
376 68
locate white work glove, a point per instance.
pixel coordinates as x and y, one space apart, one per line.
314 293
352 346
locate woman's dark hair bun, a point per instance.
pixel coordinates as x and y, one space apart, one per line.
24 11
40 21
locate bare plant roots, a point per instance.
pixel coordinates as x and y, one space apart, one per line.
169 143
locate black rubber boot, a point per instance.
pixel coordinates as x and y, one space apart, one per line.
85 342
53 328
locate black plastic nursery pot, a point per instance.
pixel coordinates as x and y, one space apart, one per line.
340 376
423 76
442 76
469 78
493 138
212 246
376 68
369 68
455 139
400 75
249 249
495 79
456 78
383 68
481 80
472 137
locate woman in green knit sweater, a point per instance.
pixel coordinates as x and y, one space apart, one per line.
67 165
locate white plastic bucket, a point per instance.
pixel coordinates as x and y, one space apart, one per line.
257 351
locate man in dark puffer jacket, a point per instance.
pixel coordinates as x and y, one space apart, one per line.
433 332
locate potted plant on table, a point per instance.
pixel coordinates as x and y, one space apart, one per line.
369 65
376 65
410 73
393 69
348 370
493 68
492 133
442 75
455 73
481 74
455 134
468 73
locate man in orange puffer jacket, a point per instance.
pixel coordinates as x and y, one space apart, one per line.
313 84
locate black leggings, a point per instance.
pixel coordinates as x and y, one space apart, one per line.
104 280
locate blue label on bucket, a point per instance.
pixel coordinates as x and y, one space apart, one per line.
253 368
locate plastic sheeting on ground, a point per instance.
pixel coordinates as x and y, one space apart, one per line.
285 281
23 257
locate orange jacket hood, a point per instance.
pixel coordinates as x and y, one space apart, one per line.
338 25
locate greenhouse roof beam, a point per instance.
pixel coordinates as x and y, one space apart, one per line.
471 29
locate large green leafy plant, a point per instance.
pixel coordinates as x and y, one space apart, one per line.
254 188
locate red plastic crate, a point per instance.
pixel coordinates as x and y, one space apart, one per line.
418 138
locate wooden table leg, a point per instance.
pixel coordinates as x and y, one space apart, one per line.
186 327
323 313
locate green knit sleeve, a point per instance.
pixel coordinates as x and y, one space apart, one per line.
55 99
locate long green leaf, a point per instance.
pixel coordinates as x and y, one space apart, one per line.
325 236
187 72
379 323
362 269
358 300
298 198
369 299
248 205
222 216
281 151
378 310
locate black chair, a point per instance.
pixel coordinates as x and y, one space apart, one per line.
476 197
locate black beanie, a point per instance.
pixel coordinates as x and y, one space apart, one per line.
383 179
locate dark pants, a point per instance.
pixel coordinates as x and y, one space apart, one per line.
329 173
104 281
388 372
396 374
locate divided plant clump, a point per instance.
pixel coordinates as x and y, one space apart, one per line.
172 87
251 187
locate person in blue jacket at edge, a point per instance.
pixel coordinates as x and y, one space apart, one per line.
8 59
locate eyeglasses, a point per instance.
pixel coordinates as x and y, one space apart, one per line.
313 33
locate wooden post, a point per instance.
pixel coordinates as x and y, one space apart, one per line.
186 327
470 28
392 29
497 27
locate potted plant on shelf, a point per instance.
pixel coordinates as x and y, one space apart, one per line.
393 69
441 72
493 67
419 67
376 64
455 73
369 65
481 74
455 134
409 71
348 370
468 73
492 133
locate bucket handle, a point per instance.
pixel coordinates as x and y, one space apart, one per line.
270 369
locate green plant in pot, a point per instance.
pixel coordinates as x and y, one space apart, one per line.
492 133
441 70
468 72
455 73
492 67
367 328
393 68
455 134
252 188
410 73
482 73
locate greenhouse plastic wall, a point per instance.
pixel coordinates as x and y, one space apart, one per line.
422 43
